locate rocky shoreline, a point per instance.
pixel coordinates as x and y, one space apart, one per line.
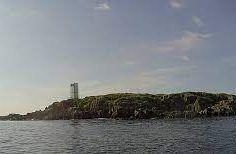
136 106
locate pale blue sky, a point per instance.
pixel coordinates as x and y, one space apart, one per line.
107 46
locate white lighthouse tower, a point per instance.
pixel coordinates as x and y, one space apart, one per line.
74 91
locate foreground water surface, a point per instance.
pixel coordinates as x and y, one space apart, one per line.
210 135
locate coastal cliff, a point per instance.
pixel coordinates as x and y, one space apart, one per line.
137 106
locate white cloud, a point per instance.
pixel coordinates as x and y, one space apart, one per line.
177 4
198 21
185 58
184 43
102 6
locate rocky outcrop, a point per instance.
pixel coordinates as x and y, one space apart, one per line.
13 117
139 106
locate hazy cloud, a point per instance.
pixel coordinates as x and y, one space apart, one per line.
102 5
185 58
129 63
166 71
198 21
184 43
17 12
142 81
230 61
176 48
177 4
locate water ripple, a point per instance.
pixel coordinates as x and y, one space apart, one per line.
211 135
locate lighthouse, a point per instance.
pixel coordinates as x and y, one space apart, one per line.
74 91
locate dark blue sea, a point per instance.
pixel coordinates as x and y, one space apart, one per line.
209 135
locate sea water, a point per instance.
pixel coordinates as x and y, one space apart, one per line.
208 135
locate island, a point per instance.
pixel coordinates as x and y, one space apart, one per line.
136 106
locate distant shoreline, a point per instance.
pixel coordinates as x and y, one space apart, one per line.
136 106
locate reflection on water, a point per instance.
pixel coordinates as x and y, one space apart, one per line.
209 135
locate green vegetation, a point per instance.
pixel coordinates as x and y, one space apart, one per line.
137 106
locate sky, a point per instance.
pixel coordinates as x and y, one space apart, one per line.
111 46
